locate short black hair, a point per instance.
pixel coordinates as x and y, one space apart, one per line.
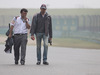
23 9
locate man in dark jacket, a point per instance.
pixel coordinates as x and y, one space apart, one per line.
42 27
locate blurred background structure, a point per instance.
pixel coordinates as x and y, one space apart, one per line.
76 23
70 25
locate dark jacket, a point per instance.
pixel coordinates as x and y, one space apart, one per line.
36 27
9 42
8 45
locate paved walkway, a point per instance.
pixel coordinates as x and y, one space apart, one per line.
63 61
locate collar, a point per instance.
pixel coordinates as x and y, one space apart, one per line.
20 17
44 14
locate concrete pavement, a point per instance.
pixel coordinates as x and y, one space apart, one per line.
63 61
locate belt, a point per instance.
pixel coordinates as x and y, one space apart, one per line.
20 34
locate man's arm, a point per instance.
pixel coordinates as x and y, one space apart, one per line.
12 26
27 24
33 27
10 32
50 29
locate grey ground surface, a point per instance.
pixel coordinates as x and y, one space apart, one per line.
63 61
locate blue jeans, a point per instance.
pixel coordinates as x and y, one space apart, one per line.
39 37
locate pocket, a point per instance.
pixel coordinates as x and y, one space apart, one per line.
24 39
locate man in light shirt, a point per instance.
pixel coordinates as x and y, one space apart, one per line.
20 26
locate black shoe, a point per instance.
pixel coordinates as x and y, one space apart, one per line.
38 63
22 63
16 62
45 63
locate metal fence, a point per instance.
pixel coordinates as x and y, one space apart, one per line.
83 26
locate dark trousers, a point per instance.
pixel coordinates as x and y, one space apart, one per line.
20 41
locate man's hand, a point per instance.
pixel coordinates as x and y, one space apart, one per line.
50 39
32 37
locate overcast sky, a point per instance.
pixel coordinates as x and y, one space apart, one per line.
50 3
